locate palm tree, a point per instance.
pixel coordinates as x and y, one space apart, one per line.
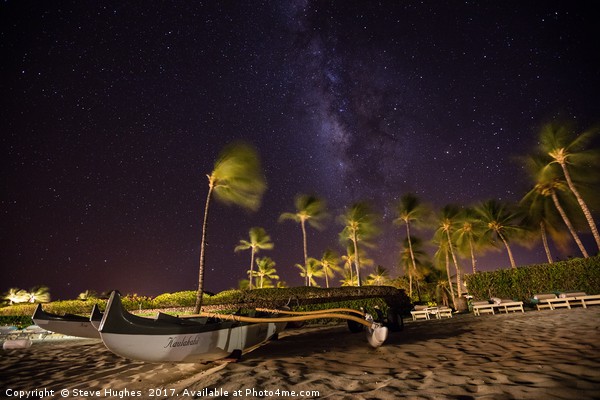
410 210
568 150
311 270
348 261
549 196
309 209
442 259
379 277
15 295
448 221
349 278
39 294
329 263
360 225
265 269
467 234
236 179
413 263
500 222
88 294
259 240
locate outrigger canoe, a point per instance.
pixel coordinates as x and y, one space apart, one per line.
69 324
204 337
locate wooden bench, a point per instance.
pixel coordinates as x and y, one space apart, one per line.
485 307
443 312
541 300
420 312
513 306
589 300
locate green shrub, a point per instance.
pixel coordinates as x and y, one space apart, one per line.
580 274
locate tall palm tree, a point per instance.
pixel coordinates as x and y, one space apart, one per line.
501 222
311 270
467 234
15 295
329 263
410 210
568 150
442 261
39 294
548 197
236 179
379 277
349 278
265 269
360 225
309 209
259 240
447 224
413 261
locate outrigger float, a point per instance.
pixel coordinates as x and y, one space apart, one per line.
69 324
208 336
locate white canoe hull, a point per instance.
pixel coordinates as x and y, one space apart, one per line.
197 347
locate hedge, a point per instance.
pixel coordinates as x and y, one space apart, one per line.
522 283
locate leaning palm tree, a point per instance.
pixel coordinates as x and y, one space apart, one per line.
447 224
15 295
329 263
410 210
568 150
549 197
259 240
360 226
501 222
265 269
309 209
236 179
39 294
311 270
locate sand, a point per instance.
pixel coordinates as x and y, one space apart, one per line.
550 354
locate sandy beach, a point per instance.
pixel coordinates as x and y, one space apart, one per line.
550 354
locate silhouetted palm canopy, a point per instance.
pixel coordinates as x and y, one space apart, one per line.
467 234
259 240
236 179
360 225
561 145
309 209
501 222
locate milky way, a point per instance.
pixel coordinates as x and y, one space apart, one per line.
113 114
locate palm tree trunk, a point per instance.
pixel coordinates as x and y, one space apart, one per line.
412 257
584 208
326 279
200 291
545 241
567 221
251 268
302 223
473 260
356 259
458 282
449 281
510 255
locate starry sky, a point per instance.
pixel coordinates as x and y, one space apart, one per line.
113 113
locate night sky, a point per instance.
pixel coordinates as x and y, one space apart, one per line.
113 113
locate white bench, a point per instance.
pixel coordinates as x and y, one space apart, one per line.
443 312
513 306
541 300
484 307
420 312
589 300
